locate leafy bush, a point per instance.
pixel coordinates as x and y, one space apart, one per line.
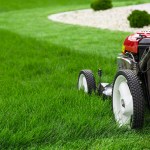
101 4
139 19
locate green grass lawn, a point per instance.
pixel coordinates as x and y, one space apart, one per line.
40 106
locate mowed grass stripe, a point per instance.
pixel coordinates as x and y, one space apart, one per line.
34 23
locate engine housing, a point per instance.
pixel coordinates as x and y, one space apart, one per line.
135 49
136 42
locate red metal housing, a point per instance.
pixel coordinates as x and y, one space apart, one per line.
131 42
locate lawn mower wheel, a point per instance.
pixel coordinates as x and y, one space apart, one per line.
128 100
86 81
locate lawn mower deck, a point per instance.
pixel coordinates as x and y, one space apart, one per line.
131 86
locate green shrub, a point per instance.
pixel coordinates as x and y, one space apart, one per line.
101 4
139 19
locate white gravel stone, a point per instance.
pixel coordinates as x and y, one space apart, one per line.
114 19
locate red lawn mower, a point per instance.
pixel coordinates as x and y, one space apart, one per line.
130 90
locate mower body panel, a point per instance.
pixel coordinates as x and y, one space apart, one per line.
131 43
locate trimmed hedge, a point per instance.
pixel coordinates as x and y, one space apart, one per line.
101 4
139 19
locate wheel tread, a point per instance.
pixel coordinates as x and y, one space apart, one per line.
90 80
138 97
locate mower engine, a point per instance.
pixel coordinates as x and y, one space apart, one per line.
131 86
136 56
134 47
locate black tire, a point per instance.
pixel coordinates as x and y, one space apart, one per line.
88 77
135 117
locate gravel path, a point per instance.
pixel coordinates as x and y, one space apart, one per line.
114 19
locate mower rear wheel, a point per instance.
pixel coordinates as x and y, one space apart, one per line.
128 100
86 81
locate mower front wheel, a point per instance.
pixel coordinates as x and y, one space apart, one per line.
128 100
86 81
